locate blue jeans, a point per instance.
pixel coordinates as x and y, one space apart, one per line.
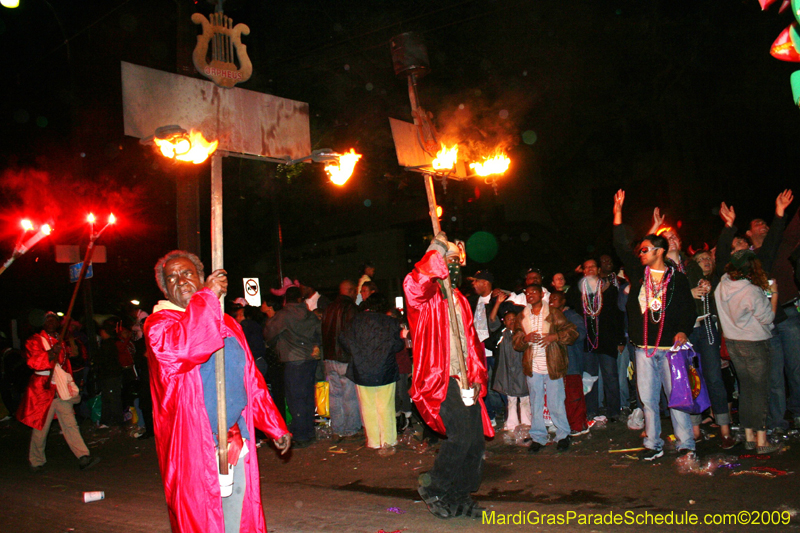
298 377
538 385
597 363
785 348
343 398
752 362
652 373
711 363
494 401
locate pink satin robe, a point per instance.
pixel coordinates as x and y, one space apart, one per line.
37 399
177 343
429 320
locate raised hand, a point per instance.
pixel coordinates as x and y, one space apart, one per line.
619 200
658 219
727 214
782 202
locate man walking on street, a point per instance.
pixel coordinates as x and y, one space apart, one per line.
41 402
445 353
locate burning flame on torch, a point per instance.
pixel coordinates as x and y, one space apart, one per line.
191 147
446 158
497 164
340 172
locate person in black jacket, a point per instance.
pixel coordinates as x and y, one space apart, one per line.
372 340
661 314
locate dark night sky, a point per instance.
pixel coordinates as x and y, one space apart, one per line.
678 102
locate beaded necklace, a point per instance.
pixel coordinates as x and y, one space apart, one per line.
707 311
655 305
592 305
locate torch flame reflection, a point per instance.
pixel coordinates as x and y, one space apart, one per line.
497 164
191 147
340 172
446 158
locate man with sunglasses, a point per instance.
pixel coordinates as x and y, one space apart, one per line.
661 314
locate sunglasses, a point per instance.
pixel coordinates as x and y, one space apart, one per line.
646 249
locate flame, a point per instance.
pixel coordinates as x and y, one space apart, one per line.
46 229
111 218
446 158
662 230
340 172
90 219
26 224
497 164
190 147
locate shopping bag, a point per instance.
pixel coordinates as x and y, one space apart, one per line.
689 391
322 396
96 408
65 385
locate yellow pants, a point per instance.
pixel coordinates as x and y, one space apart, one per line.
378 414
69 427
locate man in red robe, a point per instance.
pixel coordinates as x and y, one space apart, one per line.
435 386
40 402
182 334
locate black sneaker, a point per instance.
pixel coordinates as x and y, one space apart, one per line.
534 447
87 461
563 444
651 455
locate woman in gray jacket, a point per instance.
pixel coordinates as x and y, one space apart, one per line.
746 314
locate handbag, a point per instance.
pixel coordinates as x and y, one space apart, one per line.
65 385
689 390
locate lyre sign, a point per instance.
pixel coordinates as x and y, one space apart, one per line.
225 38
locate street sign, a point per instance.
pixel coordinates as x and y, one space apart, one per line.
70 253
75 271
252 292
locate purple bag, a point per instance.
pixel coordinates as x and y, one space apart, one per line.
689 391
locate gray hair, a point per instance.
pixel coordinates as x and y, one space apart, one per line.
176 254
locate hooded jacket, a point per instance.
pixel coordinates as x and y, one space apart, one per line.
745 312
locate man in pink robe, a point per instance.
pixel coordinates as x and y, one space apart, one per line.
435 387
182 335
40 403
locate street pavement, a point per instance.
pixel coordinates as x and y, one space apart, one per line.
345 487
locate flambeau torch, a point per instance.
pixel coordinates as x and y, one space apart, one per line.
410 60
176 143
20 248
87 259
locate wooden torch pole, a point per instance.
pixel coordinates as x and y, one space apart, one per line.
455 324
217 263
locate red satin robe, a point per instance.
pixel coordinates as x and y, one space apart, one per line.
177 343
429 319
37 399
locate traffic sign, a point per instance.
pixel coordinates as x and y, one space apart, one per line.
252 292
75 271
